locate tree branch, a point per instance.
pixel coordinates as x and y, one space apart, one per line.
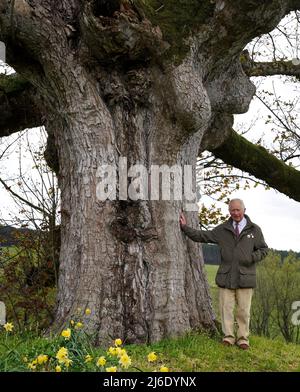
256 160
253 68
17 107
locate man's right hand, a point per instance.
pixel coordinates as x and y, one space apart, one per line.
182 220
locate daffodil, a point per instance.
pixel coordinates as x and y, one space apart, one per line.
72 322
125 361
67 362
164 369
78 325
101 361
66 333
8 327
111 369
32 366
88 358
112 351
42 359
58 369
120 351
152 357
118 342
62 354
88 311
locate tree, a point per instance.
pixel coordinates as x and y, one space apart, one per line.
156 82
277 290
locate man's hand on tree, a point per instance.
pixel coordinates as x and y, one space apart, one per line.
182 220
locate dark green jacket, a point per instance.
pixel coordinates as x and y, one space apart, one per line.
238 255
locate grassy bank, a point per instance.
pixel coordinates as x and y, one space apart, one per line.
194 352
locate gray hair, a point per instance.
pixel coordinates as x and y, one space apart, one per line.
238 200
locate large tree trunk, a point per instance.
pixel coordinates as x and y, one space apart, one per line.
126 260
109 83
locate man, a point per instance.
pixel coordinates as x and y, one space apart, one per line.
242 245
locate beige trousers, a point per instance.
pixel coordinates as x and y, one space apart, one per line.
228 299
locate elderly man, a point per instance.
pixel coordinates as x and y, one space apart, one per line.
242 245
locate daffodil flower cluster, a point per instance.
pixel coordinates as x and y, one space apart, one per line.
74 352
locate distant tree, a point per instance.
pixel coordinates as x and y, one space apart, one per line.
278 287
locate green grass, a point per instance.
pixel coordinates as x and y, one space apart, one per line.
211 271
201 353
194 352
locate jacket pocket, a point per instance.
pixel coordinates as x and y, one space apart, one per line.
247 278
222 274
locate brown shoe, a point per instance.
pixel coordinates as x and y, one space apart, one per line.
244 346
226 343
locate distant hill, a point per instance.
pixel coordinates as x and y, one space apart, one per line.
9 235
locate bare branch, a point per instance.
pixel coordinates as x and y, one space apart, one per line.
270 68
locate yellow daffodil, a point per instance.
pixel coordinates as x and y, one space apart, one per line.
125 361
88 358
78 325
66 333
120 351
152 357
8 327
88 311
42 359
112 351
58 369
62 354
67 362
164 369
118 342
101 361
111 369
72 322
32 366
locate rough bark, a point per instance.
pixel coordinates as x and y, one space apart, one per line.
131 80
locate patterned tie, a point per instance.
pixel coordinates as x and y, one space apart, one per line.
236 229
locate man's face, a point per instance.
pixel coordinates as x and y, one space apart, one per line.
236 211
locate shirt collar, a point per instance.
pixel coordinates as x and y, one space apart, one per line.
242 223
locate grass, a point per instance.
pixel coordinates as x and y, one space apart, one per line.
211 271
193 352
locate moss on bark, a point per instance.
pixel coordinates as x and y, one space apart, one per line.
256 160
177 19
